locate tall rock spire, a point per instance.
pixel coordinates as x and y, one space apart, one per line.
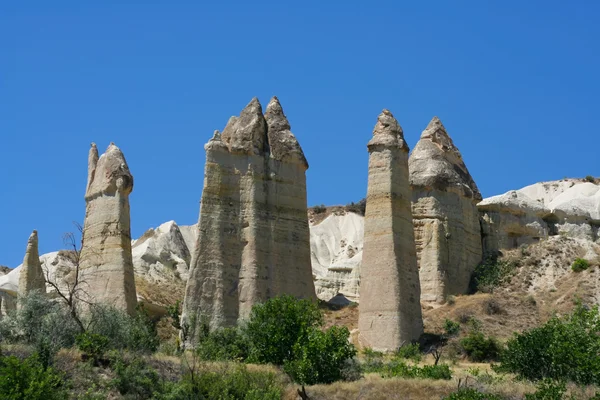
447 231
389 309
31 276
253 240
106 259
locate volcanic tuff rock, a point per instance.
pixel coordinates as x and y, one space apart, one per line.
106 259
336 254
445 217
570 207
390 309
253 238
31 276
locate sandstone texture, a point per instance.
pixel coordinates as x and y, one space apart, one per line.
336 255
569 207
390 309
445 217
106 258
31 276
253 235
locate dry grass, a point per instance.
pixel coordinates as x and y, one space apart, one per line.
163 293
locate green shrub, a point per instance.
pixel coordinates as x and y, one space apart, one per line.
471 394
491 273
590 178
322 357
451 328
92 344
276 326
409 352
548 389
230 382
580 264
29 380
136 333
134 378
357 208
223 344
319 209
479 348
565 348
398 368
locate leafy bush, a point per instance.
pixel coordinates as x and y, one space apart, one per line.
134 378
29 380
548 389
562 349
479 348
92 344
319 209
398 368
580 264
471 394
491 273
357 208
451 328
277 325
590 178
136 333
223 344
231 382
409 352
322 357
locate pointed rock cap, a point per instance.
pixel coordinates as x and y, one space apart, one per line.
282 143
215 143
387 133
111 175
436 163
92 161
247 134
31 276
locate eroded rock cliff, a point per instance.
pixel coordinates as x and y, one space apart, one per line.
31 276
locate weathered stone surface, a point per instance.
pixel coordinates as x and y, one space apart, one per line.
106 259
162 253
510 220
31 276
336 255
390 309
445 217
253 238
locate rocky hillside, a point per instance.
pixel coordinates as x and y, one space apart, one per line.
549 223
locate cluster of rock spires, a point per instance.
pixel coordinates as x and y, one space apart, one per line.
253 240
425 229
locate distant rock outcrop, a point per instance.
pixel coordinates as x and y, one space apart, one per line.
390 309
106 259
336 254
569 207
31 276
253 238
445 217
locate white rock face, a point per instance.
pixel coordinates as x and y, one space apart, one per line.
162 252
570 207
336 254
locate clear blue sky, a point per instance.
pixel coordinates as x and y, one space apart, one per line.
515 83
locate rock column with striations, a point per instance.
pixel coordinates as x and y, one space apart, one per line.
106 260
447 230
31 276
389 309
253 239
